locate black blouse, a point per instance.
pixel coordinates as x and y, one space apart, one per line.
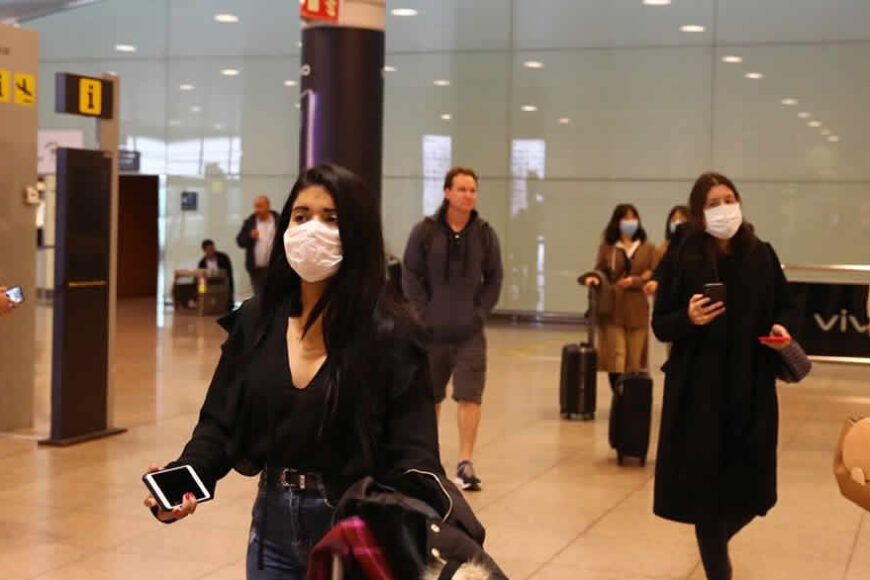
253 416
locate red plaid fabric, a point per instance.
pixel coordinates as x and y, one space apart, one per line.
352 540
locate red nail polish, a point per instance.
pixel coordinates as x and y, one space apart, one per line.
188 496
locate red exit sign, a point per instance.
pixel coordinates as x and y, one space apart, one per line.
328 10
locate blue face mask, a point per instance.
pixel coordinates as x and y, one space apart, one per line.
628 227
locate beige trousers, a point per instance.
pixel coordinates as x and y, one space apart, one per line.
627 347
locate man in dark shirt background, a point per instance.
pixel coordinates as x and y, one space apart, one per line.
214 260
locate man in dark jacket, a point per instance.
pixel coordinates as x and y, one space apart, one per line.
214 260
452 276
256 237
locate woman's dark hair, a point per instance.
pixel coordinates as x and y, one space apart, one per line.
698 201
348 303
681 209
612 233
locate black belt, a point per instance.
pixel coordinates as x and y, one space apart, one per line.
295 479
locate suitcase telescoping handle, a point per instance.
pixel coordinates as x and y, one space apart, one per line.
592 311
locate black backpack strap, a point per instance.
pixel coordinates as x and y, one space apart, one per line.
450 569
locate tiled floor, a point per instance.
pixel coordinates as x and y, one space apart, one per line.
556 505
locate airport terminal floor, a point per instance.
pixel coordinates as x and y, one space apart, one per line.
555 503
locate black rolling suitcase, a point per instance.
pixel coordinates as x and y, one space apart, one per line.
630 416
577 386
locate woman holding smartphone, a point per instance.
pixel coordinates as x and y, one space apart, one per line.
323 380
716 464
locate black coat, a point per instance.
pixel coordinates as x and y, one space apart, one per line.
246 242
718 437
224 263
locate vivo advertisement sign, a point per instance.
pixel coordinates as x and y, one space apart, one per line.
832 319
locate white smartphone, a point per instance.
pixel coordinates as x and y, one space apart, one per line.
15 294
169 486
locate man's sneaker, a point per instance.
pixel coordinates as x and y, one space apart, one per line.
465 477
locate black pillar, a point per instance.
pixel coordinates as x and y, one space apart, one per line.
342 100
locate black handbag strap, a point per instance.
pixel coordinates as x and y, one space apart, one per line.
450 569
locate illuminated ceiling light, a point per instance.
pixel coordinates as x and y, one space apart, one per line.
298 106
219 126
196 109
533 64
289 83
693 28
230 72
226 18
565 121
731 59
754 76
186 87
446 117
804 115
404 12
529 108
789 102
125 48
390 69
814 124
174 123
442 83
834 139
657 2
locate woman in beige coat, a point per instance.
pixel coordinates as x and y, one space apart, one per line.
627 260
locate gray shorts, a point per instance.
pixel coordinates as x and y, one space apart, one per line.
466 362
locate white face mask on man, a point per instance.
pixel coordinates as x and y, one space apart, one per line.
313 250
723 221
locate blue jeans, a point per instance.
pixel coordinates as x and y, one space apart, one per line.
296 522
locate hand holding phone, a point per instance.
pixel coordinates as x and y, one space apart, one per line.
175 492
778 339
10 298
703 311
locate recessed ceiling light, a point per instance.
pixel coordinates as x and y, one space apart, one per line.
826 132
657 2
186 87
404 12
174 123
789 102
564 121
289 83
814 124
533 64
125 48
446 117
219 126
731 59
754 76
804 115
226 18
230 72
196 109
834 139
390 69
693 28
442 83
529 108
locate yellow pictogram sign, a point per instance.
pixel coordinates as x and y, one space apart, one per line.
5 86
90 97
25 89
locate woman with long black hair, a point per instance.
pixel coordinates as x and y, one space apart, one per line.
322 381
716 463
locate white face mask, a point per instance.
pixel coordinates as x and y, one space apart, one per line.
313 250
723 221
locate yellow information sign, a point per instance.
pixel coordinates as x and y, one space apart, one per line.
90 96
5 86
25 89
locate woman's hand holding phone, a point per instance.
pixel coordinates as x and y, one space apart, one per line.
701 312
187 507
779 338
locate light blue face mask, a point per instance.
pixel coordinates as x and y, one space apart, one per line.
628 227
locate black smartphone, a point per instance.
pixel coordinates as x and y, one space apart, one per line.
170 485
715 292
15 294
